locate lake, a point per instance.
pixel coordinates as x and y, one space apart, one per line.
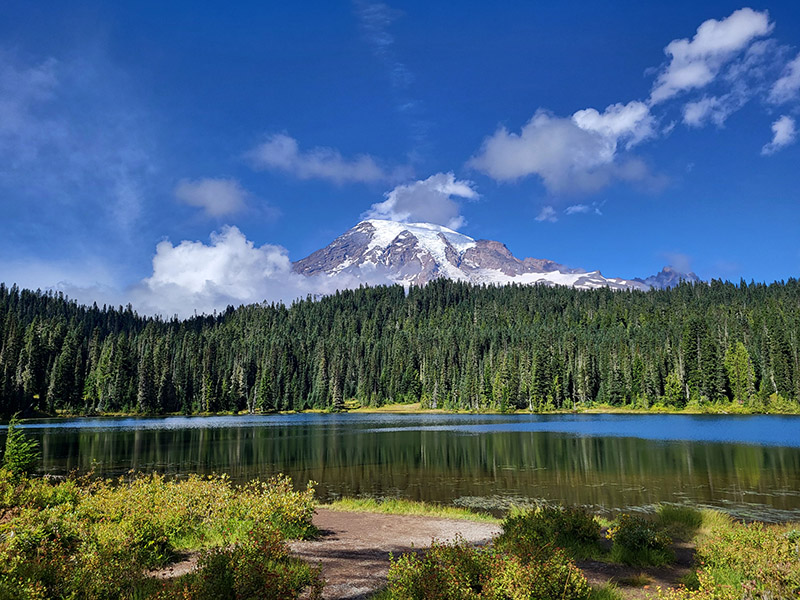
747 465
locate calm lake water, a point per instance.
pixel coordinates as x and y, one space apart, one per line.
747 465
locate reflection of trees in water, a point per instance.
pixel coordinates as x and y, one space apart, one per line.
442 466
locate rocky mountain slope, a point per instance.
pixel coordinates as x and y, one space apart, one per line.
416 253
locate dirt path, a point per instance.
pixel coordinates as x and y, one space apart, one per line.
354 548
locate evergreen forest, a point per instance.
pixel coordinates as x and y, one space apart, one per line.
448 345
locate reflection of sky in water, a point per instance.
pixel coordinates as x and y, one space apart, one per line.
771 430
748 465
762 429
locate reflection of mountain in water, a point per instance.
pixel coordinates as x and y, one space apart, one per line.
606 472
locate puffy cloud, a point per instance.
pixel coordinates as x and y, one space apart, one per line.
569 154
194 277
630 122
282 152
231 263
547 214
695 63
784 133
787 87
432 200
217 197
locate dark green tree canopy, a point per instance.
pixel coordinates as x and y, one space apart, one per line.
447 345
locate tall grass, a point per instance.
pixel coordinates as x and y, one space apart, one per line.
400 506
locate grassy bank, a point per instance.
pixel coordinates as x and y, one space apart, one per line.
399 506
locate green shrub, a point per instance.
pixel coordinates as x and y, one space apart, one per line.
555 578
534 534
458 571
453 571
639 542
260 567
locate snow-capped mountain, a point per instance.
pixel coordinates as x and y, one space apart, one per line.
416 253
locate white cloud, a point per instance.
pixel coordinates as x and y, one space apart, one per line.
197 277
569 154
577 209
714 109
547 214
282 152
787 87
432 200
582 209
217 197
695 63
630 122
784 133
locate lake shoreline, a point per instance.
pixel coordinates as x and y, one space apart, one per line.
416 409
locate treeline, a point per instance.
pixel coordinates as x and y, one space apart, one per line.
448 345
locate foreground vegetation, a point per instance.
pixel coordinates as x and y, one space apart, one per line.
535 557
705 347
85 538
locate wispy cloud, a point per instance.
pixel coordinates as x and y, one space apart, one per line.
547 215
375 20
282 152
72 137
787 87
679 261
217 197
583 209
784 132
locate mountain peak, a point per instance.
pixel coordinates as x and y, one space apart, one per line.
669 277
416 253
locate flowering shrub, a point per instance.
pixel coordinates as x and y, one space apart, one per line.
97 539
454 571
458 571
639 542
555 578
259 567
739 560
536 533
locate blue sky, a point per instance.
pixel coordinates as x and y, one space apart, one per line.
171 154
